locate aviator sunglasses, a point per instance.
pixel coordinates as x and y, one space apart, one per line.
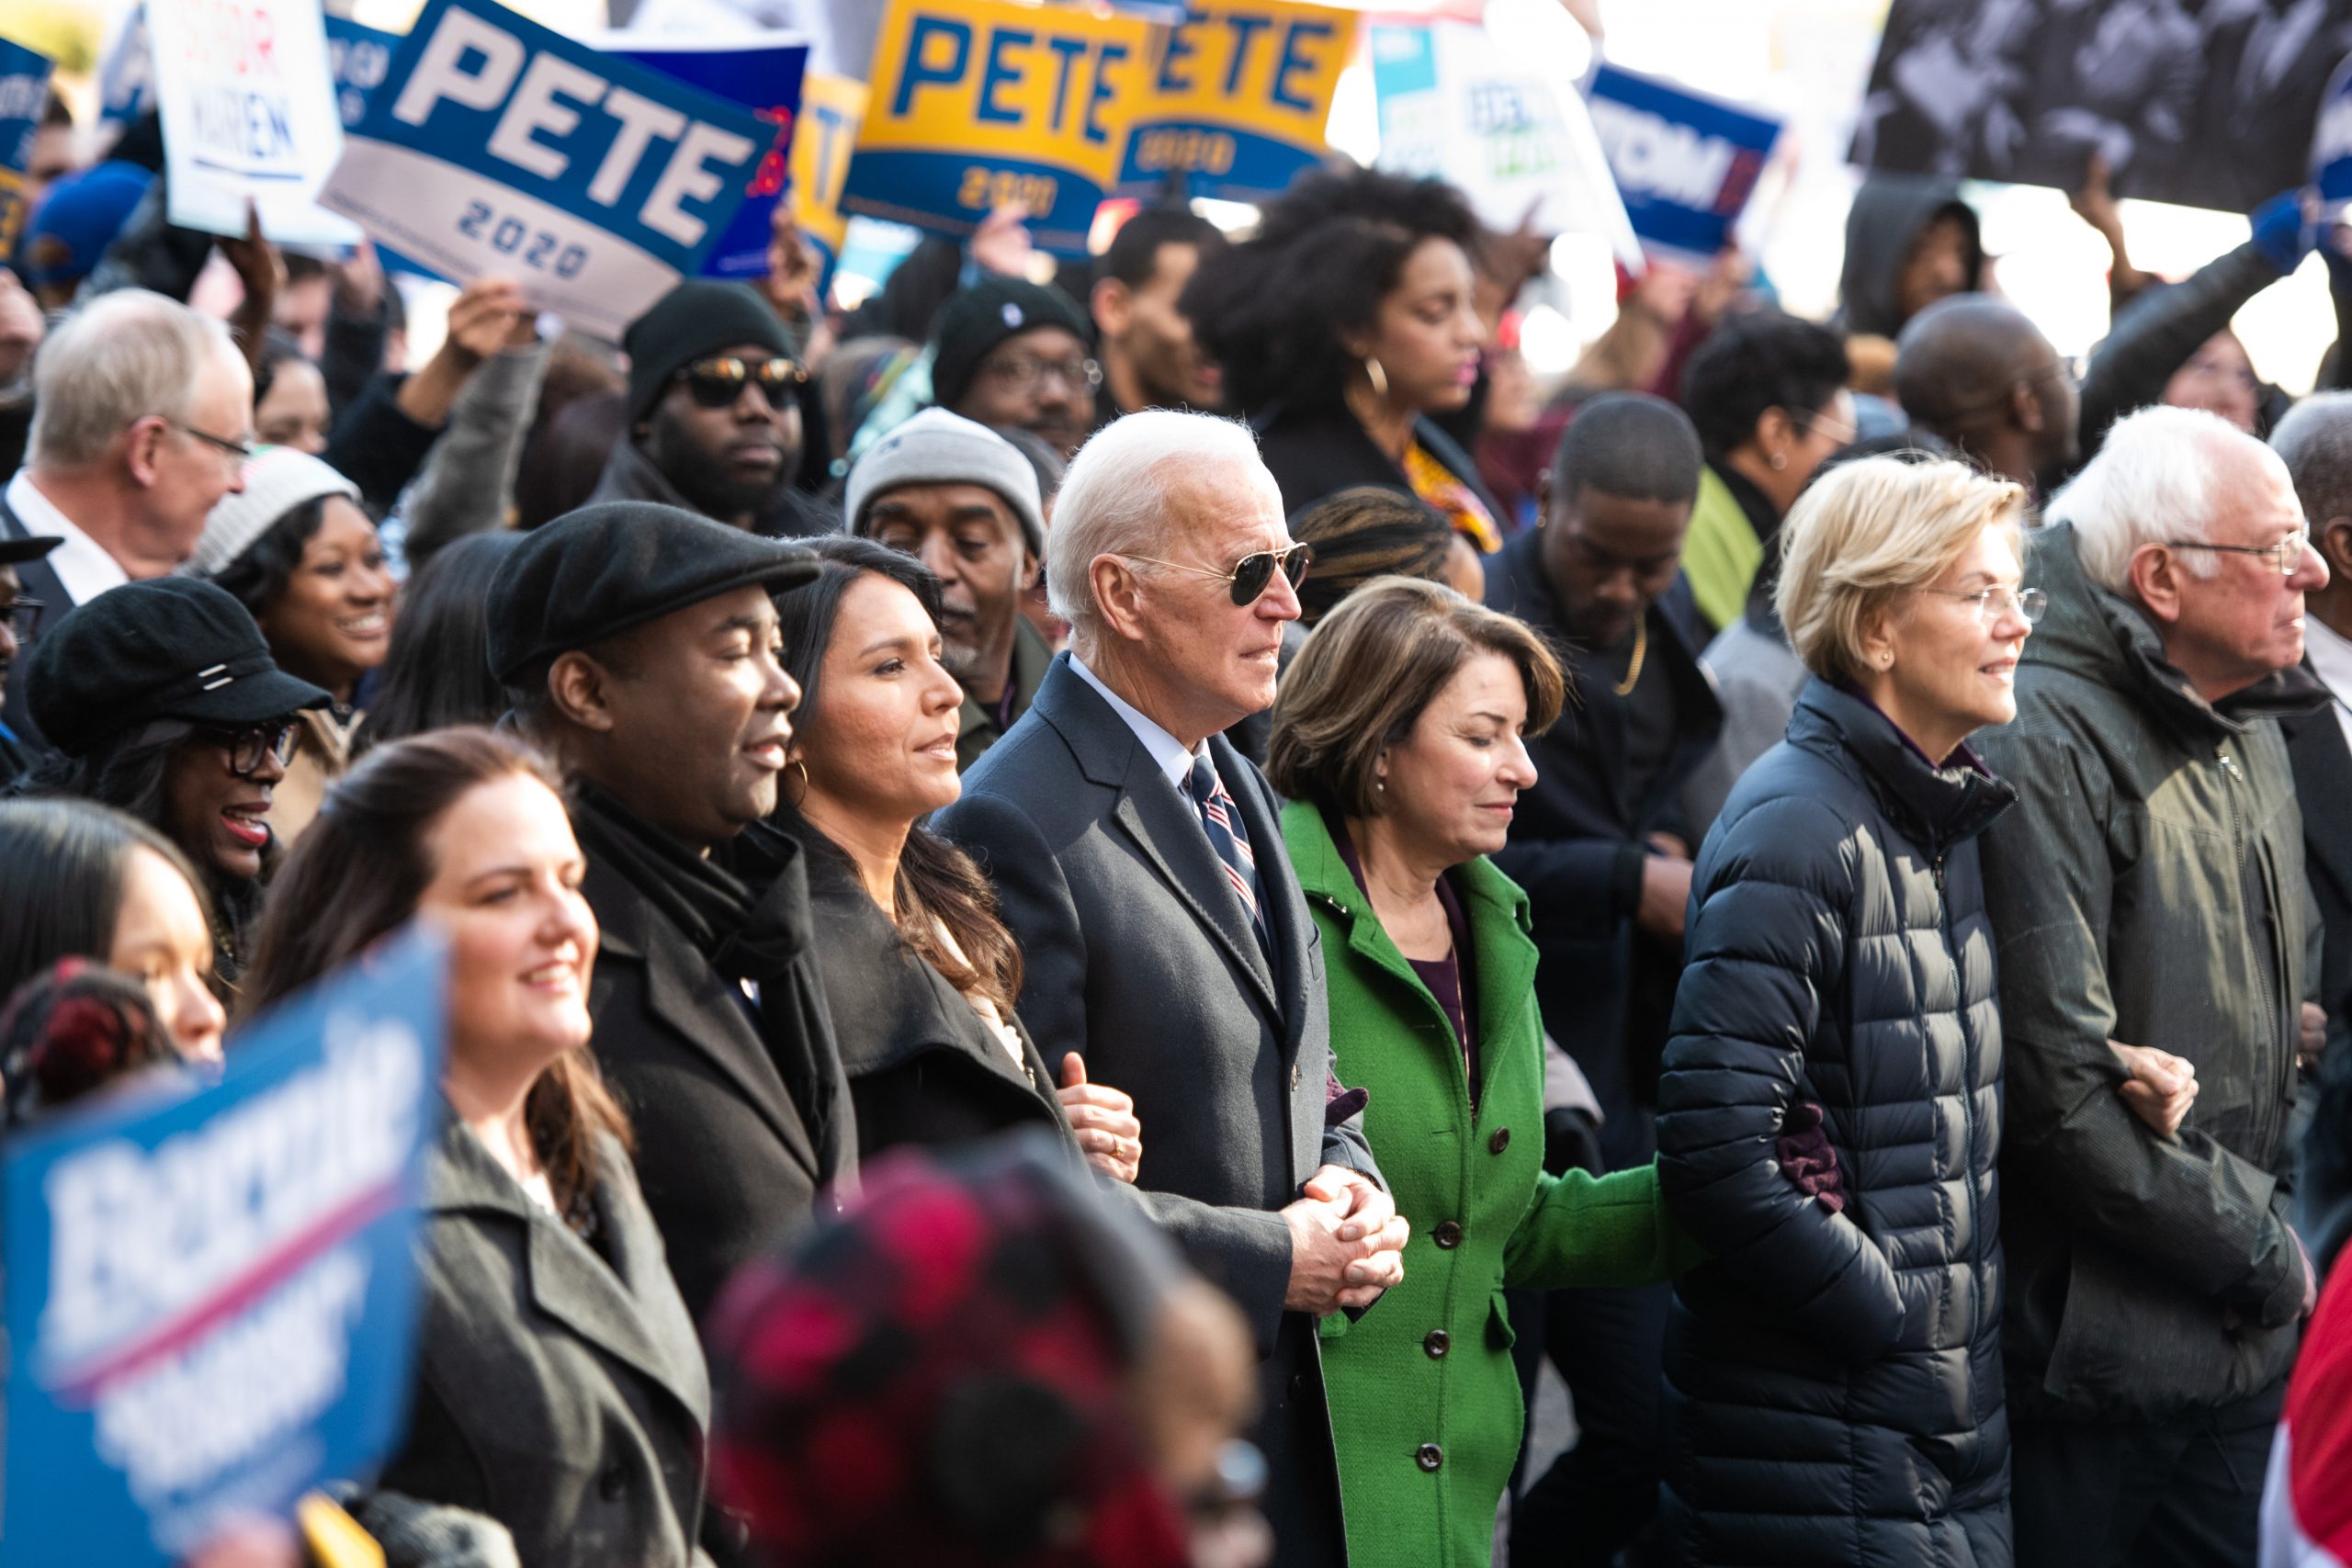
1251 574
717 382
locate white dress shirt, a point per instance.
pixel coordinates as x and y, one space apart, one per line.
2331 656
82 564
1165 749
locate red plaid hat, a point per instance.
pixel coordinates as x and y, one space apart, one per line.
939 1378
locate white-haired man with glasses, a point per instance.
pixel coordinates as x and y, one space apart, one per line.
2149 888
142 419
1137 857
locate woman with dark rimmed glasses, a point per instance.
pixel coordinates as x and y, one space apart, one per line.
161 700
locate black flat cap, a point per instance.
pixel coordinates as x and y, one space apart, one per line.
173 647
618 564
14 550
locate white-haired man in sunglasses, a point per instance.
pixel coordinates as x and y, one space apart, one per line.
715 394
1163 935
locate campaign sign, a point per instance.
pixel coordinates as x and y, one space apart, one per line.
1238 95
360 57
127 80
1685 163
211 1295
1516 141
24 87
763 75
831 107
977 103
496 145
249 115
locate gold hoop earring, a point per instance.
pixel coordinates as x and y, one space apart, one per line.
1376 375
803 766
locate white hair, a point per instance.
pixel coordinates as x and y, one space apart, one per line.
2164 473
122 356
1120 493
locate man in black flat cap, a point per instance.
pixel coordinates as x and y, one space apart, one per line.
19 614
639 644
717 401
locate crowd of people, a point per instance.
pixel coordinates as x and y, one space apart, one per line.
1087 918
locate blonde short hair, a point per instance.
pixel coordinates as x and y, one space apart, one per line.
1867 532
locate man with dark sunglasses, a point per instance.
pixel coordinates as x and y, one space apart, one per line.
716 410
1136 854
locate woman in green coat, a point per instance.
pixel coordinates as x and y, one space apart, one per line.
1400 784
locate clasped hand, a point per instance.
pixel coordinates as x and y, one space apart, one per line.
1347 1243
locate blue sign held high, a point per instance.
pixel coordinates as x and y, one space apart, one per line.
1684 163
211 1295
24 89
496 145
763 75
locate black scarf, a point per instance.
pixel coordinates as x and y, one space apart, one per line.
745 910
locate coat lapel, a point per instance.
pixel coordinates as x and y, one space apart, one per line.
626 1308
1156 818
702 1007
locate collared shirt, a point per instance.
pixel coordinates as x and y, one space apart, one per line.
82 564
2331 656
1166 750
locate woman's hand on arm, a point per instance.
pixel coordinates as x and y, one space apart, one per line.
1105 1121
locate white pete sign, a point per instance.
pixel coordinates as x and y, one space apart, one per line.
249 114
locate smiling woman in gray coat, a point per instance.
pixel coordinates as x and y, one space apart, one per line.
561 1402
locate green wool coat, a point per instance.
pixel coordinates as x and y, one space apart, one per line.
1425 1406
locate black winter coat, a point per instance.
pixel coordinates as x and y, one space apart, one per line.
1834 1380
923 1068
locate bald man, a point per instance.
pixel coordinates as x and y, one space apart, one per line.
1974 370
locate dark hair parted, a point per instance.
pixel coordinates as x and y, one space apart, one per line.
357 874
436 672
1631 446
1273 308
1371 668
66 861
1365 532
938 883
261 571
1758 361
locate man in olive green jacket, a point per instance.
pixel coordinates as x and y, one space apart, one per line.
2149 889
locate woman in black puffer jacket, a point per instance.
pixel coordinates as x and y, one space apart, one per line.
1834 1377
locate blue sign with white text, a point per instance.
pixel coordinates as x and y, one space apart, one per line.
2331 146
127 80
765 77
212 1292
498 146
1685 163
24 88
361 57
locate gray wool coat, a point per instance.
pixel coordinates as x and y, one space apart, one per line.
559 1388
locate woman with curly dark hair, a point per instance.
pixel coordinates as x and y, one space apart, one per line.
1343 327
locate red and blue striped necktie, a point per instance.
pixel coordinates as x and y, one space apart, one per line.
1227 838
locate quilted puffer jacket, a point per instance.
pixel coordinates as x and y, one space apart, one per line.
1834 1380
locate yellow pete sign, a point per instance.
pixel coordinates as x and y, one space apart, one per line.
976 103
831 108
1236 98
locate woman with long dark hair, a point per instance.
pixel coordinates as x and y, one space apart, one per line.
86 882
1343 327
919 972
561 1392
